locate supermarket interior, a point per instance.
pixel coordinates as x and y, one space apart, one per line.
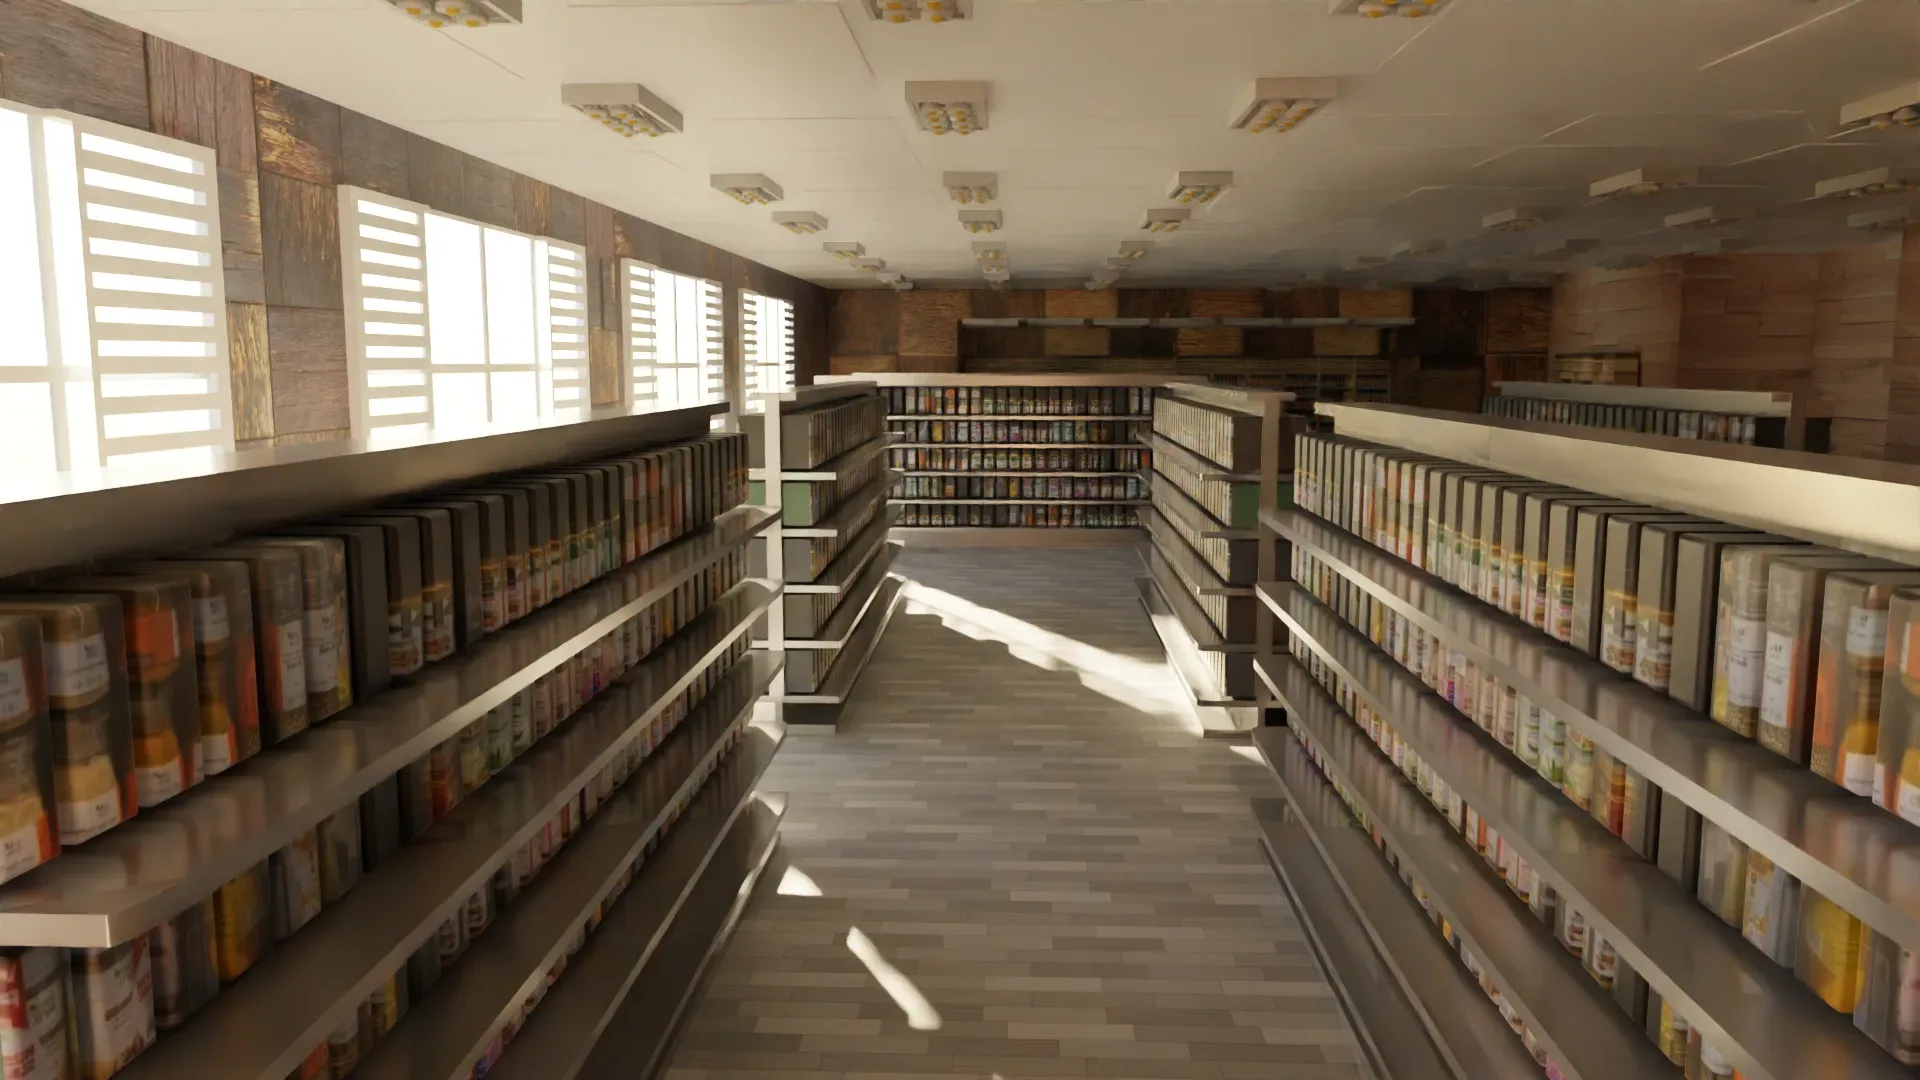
927 539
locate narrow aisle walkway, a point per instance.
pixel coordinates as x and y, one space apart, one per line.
1018 820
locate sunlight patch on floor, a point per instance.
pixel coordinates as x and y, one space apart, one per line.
795 882
921 1015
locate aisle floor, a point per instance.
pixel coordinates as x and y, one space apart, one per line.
1019 830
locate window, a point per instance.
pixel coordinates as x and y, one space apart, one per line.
673 337
766 346
112 295
456 324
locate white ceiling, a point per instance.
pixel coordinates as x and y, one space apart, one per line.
1094 106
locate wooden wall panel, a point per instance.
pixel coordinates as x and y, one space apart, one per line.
488 189
1007 344
436 175
58 56
249 371
566 216
307 355
1376 303
300 236
1516 320
1853 344
180 90
930 324
530 204
865 322
298 134
1747 322
1219 304
1903 370
603 367
374 155
1346 341
1638 308
1079 304
240 242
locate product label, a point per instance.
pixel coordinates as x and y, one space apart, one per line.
1746 652
158 783
21 851
77 669
1866 631
323 649
118 1022
85 819
210 626
293 664
13 689
1775 680
216 754
1858 774
491 599
33 1032
1907 804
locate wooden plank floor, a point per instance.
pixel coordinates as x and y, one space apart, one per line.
1022 821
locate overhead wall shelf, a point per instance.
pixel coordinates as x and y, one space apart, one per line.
1195 322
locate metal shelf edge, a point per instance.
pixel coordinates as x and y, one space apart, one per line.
862 643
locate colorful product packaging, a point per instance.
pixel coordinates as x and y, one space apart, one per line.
29 827
186 971
242 922
1899 753
1796 588
223 646
112 1008
1845 743
280 635
1830 951
35 1004
323 591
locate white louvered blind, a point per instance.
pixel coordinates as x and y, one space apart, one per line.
113 305
766 346
639 341
676 353
453 323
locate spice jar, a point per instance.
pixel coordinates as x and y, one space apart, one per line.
85 666
27 822
163 681
223 649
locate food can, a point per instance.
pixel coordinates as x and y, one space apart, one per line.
280 634
323 589
34 1009
112 1007
223 647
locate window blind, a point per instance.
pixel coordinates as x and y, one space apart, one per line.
675 346
766 346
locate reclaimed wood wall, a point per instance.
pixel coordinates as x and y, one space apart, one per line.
281 152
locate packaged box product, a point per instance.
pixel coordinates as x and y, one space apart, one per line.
1654 606
1535 600
1772 909
407 601
438 613
338 841
1845 744
224 658
343 1045
1620 587
83 659
1562 558
502 562
33 1014
112 1008
162 680
241 921
536 541
186 974
1795 603
295 874
1722 886
1740 638
380 818
313 1066
1591 529
365 656
28 819
1830 951
280 634
1696 587
1888 1009
1899 753
463 526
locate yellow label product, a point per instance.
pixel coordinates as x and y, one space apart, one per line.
1830 951
241 925
1772 908
27 813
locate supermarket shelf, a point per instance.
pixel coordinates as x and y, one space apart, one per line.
1027 502
823 705
168 858
1207 469
836 523
1198 627
1018 472
1017 536
839 627
1739 402
1768 1025
834 468
1133 418
445 1034
303 988
1193 322
1851 851
1014 446
1210 582
1198 516
1571 1014
1218 714
845 569
970 379
680 907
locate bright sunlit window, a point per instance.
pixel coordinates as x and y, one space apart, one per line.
766 346
456 324
673 337
113 334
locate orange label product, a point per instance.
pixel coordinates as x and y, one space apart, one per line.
221 606
325 622
27 810
33 1015
279 637
164 683
112 1008
1899 752
240 922
1854 643
295 874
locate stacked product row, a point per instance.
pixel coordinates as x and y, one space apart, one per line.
1679 423
1780 641
1087 515
125 685
1080 488
1056 434
1003 460
1065 402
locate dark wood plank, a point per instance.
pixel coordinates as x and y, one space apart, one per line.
599 222
866 322
235 135
566 216
489 191
633 236
603 367
180 92
304 438
240 241
531 199
373 155
437 175
250 375
300 242
62 57
307 351
602 294
298 134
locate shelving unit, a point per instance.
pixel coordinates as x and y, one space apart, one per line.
826 445
602 724
1607 802
1217 459
1752 418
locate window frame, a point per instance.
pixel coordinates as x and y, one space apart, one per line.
643 325
762 336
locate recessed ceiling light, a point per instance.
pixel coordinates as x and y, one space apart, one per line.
890 276
871 265
990 253
1165 221
1642 182
800 222
1381 9
1135 249
971 187
468 14
748 189
906 11
942 107
1893 180
1199 188
1118 263
1708 217
997 274
845 252
1898 217
980 220
1281 104
627 109
903 286
1095 284
1565 248
1407 249
1899 107
1514 219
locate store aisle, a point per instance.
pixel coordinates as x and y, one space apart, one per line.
1020 831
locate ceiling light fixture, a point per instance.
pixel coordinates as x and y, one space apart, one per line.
942 107
903 286
1565 248
1892 180
1135 249
980 221
1407 249
626 109
747 189
800 222
1899 107
1898 217
1708 217
1199 188
871 265
997 275
971 187
1641 183
1380 9
1165 221
906 11
1119 263
890 276
845 252
467 14
1514 219
1095 284
1281 104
